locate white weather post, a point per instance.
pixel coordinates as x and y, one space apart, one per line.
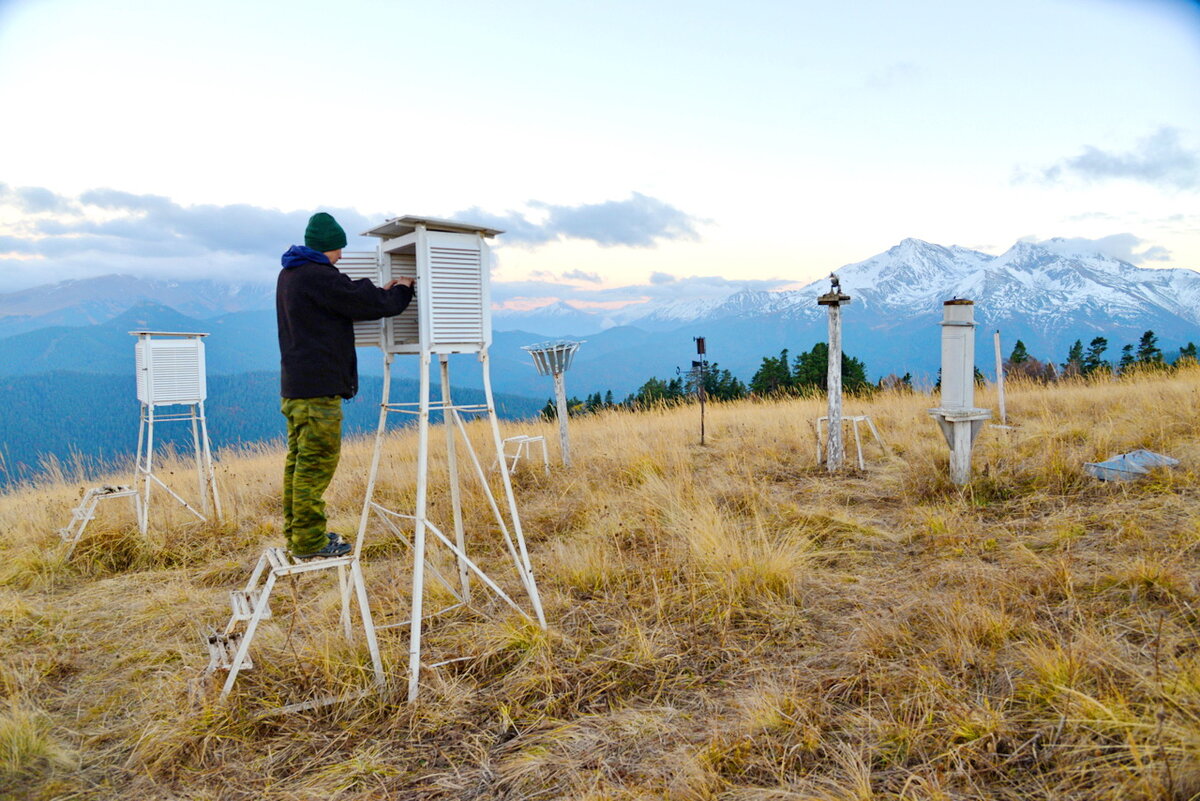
833 300
958 417
554 359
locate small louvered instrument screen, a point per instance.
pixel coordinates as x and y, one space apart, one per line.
364 264
170 371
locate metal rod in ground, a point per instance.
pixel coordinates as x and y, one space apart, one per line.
1000 379
560 397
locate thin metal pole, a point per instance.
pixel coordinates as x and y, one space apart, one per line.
137 469
196 454
518 532
1000 378
380 430
208 463
835 450
418 577
368 624
560 396
455 491
149 466
703 397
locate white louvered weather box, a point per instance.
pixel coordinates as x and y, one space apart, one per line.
170 368
451 262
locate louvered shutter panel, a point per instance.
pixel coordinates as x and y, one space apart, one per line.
364 264
171 371
403 330
457 286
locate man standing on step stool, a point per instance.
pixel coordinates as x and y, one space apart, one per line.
316 306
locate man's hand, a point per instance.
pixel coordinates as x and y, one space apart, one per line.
401 281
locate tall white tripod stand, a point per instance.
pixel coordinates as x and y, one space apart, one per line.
412 528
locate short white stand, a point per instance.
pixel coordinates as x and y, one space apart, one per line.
854 421
170 372
85 512
230 650
961 428
523 448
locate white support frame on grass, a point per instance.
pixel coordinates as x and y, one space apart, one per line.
524 450
854 420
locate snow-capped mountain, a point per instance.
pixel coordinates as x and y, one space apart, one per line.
1043 286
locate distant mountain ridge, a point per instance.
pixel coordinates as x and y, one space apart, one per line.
1047 294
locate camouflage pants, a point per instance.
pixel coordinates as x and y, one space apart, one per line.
314 436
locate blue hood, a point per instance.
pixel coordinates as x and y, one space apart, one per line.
299 254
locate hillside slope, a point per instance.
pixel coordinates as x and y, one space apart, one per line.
725 622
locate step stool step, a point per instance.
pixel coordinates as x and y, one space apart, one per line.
222 648
243 603
283 564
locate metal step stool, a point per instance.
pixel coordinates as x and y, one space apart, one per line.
84 513
229 650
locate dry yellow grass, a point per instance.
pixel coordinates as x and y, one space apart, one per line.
727 622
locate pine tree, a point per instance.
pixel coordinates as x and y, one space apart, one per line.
1074 363
811 371
1093 360
1019 353
1127 359
1148 352
773 376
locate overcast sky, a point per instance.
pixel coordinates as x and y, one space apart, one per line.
757 141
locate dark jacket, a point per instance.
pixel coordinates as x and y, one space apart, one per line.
316 307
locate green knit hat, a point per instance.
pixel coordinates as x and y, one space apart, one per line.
323 233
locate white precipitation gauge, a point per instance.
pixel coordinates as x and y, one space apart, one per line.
554 359
450 313
958 417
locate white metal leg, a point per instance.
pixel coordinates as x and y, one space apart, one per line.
418 589
455 491
208 463
515 516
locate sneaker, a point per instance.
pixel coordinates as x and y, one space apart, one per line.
333 549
